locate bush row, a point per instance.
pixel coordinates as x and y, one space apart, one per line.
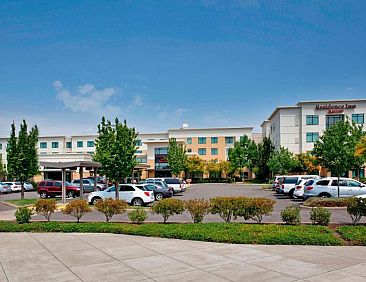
326 202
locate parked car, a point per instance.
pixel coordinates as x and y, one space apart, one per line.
289 183
15 186
276 182
128 192
299 189
4 188
328 187
88 185
159 192
54 188
28 186
175 183
101 180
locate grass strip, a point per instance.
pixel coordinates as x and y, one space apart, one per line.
356 235
237 233
22 202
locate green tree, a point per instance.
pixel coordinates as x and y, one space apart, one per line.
243 154
214 169
2 170
176 157
265 151
115 150
336 148
22 156
195 165
307 163
282 162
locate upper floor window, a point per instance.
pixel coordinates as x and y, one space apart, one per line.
189 140
312 137
138 143
214 151
202 151
138 152
214 140
229 140
1 146
43 145
358 118
312 120
90 144
80 144
54 145
332 119
201 140
68 145
161 151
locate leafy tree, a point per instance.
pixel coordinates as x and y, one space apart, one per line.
115 150
176 157
213 168
2 170
265 150
243 154
335 149
195 165
22 154
361 147
307 163
282 162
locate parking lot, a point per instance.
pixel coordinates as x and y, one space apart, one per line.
207 191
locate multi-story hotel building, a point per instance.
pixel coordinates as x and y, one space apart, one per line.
298 127
151 155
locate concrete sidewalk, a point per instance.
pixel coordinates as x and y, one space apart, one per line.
111 257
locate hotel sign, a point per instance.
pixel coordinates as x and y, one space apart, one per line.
335 109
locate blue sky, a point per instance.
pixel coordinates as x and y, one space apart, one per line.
64 64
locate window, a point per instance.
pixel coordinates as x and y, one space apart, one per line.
79 144
202 151
189 150
358 118
43 145
312 137
161 151
290 180
90 144
189 140
68 145
312 120
54 145
361 173
229 140
49 184
214 151
138 143
138 152
330 120
214 140
353 183
172 181
323 183
1 146
201 140
342 182
141 160
126 188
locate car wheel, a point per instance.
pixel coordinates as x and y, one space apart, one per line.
291 193
159 196
94 200
70 194
43 195
137 202
324 195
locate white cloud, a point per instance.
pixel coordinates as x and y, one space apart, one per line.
87 98
138 100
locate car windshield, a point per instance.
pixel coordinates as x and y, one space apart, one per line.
309 182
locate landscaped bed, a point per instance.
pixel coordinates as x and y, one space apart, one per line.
356 235
22 202
214 232
326 202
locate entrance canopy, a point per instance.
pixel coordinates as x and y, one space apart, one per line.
70 165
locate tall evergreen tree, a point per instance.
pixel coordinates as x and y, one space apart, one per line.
176 157
265 151
115 150
2 170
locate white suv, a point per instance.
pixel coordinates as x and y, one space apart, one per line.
128 192
174 183
328 187
289 183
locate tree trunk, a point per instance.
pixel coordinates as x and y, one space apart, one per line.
22 190
338 187
116 186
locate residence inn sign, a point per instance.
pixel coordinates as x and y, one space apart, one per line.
332 109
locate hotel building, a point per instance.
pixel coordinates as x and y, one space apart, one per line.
298 127
151 154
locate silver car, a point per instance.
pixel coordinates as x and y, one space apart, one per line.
4 188
328 187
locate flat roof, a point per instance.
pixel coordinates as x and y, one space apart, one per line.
332 101
211 128
280 108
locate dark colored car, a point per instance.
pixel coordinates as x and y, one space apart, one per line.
52 188
159 192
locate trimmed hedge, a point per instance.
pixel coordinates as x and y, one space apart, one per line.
213 232
326 202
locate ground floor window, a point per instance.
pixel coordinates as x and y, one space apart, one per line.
312 137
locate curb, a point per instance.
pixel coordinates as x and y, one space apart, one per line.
8 204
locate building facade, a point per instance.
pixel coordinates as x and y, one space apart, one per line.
152 148
298 127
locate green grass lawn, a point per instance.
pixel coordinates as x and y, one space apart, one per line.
237 233
21 203
356 235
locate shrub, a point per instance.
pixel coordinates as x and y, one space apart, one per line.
45 207
320 216
137 215
261 207
77 208
225 207
198 208
291 215
168 207
356 208
110 207
23 215
326 202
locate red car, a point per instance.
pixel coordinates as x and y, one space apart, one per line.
52 188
